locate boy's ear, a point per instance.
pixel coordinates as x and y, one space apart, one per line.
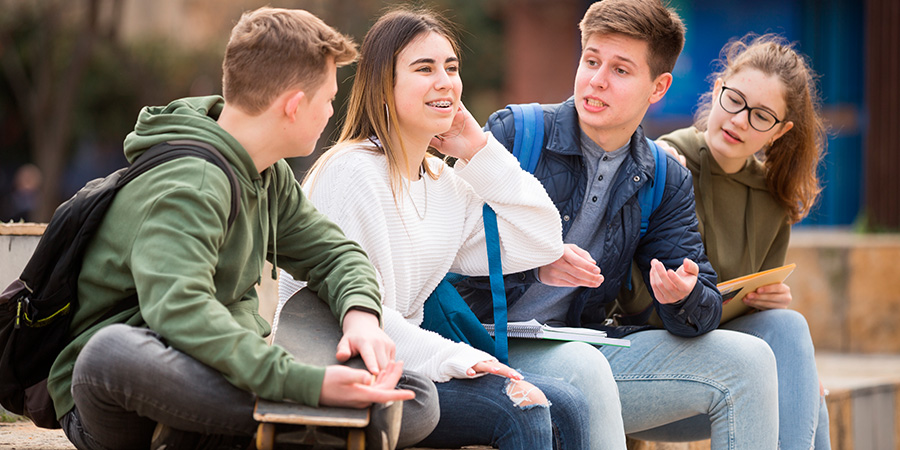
292 103
661 85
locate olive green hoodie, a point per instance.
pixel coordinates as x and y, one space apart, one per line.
164 237
744 230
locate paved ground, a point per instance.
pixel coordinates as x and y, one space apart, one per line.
25 436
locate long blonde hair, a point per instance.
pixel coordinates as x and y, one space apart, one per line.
792 160
371 112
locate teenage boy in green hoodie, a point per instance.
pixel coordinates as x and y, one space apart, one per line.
191 357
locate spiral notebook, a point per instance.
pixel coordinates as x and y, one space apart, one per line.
535 330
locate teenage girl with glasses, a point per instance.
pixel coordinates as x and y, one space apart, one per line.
753 151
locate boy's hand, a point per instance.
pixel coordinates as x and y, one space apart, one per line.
363 336
575 268
354 388
772 296
464 138
670 286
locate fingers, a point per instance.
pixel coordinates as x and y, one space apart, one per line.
574 269
689 268
343 349
671 150
494 368
670 286
773 296
343 386
369 357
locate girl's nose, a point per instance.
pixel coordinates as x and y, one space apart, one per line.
741 119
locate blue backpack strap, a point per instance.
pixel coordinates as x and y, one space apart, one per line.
651 194
529 139
498 289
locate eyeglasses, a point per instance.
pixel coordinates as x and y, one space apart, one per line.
734 102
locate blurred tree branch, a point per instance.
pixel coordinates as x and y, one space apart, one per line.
46 67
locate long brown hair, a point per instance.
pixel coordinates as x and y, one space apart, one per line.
371 111
791 161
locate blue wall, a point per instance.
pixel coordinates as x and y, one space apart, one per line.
830 33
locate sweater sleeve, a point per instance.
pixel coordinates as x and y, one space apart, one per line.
529 225
365 210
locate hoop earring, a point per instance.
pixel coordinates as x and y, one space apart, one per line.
387 117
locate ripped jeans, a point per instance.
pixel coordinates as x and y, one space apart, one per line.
479 412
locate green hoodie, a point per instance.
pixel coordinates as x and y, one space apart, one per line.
164 237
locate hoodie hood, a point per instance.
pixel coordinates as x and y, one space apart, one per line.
189 118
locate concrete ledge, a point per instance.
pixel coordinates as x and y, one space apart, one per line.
848 287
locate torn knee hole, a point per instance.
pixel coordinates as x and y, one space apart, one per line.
523 393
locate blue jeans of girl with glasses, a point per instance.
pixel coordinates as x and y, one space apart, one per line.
802 415
727 377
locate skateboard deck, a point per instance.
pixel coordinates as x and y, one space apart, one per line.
309 331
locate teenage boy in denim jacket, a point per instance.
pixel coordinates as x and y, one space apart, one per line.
687 381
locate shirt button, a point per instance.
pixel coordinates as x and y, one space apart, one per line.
636 178
606 158
566 217
594 199
600 178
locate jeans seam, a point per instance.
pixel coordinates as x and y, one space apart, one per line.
729 401
149 401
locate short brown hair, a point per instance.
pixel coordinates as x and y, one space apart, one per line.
272 50
649 21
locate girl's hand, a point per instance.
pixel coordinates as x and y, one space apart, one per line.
773 296
671 150
464 138
495 368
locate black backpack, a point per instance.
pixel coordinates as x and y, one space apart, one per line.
36 310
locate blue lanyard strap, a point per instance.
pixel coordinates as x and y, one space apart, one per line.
498 292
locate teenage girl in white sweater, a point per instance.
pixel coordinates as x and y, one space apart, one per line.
418 218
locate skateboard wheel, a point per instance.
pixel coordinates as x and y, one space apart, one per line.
265 436
356 440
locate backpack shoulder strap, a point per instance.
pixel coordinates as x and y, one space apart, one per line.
650 194
168 151
529 140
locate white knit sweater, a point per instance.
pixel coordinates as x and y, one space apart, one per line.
411 254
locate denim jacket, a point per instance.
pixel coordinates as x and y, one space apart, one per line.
672 234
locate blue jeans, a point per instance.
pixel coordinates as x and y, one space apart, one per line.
479 412
587 369
663 379
126 379
802 415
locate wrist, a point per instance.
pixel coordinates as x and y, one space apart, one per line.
359 316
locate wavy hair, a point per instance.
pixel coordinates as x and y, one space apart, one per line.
792 160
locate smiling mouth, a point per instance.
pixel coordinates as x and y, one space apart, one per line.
595 103
440 104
